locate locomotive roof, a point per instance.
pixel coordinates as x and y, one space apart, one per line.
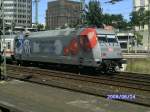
103 31
52 33
64 32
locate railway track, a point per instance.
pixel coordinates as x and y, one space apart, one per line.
103 85
129 82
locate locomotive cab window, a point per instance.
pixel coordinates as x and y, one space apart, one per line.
112 39
102 38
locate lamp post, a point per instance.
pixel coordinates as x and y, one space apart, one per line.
4 43
128 41
149 29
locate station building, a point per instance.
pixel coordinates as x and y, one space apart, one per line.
125 39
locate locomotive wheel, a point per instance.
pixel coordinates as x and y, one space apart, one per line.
116 69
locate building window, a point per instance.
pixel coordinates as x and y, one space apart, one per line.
142 2
8 45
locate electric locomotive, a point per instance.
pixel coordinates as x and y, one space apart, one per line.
86 47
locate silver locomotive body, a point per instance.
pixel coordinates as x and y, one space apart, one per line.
81 47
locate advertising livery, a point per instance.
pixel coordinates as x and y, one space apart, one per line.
90 47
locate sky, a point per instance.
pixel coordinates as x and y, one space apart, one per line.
124 7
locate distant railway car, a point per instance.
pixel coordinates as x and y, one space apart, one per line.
90 47
9 46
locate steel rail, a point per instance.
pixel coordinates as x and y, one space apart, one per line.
106 81
100 80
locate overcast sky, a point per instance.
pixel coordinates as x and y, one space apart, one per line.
124 8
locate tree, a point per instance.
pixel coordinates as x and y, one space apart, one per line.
117 21
140 17
138 38
39 27
107 19
94 14
147 17
74 24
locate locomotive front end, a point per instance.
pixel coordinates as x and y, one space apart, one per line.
111 54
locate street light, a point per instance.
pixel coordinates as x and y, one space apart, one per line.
149 29
128 41
4 43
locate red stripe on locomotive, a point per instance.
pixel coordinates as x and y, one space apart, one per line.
90 33
66 51
74 46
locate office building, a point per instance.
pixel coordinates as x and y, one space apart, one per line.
61 13
18 12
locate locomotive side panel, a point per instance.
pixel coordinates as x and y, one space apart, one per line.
44 49
66 49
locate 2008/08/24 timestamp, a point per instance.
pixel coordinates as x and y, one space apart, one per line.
121 96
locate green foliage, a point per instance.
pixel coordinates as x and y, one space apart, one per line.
138 38
39 27
74 24
140 65
116 21
107 19
140 17
94 14
147 17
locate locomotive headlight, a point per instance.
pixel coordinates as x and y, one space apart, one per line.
119 54
97 60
